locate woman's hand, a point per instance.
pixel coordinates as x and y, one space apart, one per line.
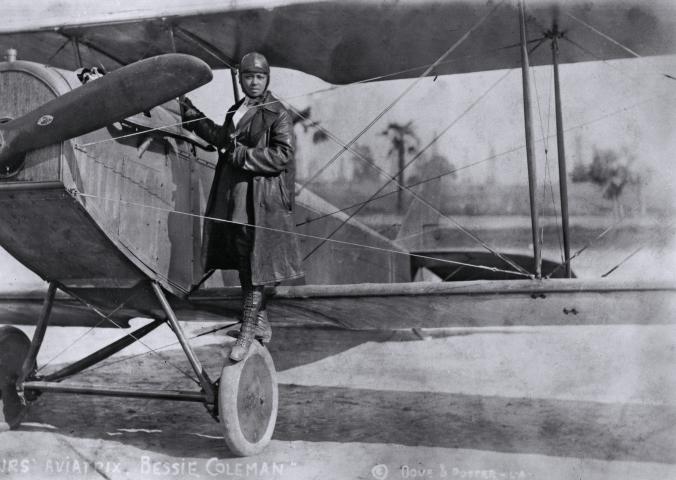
188 110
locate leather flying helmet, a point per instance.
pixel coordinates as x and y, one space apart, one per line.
254 62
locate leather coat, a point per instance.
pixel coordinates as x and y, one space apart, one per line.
259 150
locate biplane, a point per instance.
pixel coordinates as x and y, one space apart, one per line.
103 188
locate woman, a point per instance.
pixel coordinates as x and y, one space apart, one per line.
253 193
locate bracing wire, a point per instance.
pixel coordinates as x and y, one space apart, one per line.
298 234
392 178
159 355
578 126
557 216
633 79
407 187
191 37
69 346
428 68
338 87
421 182
548 170
636 250
80 146
547 174
149 348
545 141
636 80
514 149
623 261
581 125
410 87
162 347
506 152
605 232
293 97
607 37
545 144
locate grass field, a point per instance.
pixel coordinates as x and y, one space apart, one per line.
458 198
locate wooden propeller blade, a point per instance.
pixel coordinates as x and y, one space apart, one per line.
124 92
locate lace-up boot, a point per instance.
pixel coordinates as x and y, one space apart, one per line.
252 303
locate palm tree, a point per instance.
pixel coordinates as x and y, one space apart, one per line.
303 119
404 141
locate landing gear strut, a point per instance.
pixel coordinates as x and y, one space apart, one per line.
244 400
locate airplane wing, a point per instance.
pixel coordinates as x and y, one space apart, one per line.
22 307
338 41
341 42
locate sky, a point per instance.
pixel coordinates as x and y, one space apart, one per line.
615 104
494 125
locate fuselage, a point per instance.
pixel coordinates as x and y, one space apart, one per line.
123 203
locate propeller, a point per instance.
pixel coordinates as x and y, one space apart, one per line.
126 91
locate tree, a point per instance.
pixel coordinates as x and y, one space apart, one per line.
433 166
580 173
363 160
303 119
613 171
403 141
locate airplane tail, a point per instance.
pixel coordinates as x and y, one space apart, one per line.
420 225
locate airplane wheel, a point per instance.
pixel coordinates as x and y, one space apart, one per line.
13 350
248 401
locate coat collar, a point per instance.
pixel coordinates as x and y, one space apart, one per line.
265 102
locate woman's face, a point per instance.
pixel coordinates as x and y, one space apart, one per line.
254 84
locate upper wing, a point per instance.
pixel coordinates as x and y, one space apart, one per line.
340 41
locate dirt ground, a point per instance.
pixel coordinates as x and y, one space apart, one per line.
531 403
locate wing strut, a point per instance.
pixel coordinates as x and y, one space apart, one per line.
30 361
204 380
561 151
73 39
214 52
528 123
235 88
76 51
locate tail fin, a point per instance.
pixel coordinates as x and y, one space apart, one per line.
421 222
